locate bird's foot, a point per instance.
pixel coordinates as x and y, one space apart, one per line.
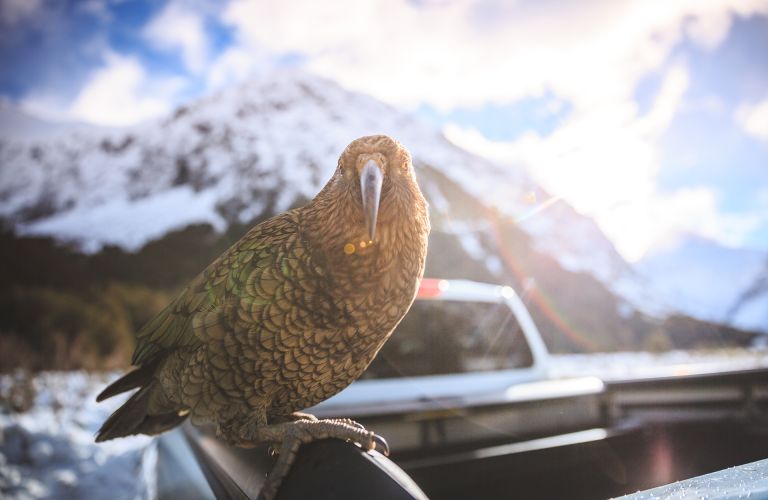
291 435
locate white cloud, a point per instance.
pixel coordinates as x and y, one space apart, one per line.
598 157
469 53
657 222
121 93
753 118
234 64
176 28
665 105
118 93
709 31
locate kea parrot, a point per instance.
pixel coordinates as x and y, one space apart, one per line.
288 316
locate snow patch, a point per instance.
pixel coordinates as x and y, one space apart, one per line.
130 224
49 451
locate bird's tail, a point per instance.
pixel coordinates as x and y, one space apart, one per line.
134 417
142 376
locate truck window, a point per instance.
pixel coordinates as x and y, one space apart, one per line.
442 337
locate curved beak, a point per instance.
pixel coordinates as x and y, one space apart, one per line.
371 178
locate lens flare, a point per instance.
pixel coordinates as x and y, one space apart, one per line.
536 210
544 303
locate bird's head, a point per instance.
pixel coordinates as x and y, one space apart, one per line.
376 179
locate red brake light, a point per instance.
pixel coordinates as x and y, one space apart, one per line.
431 288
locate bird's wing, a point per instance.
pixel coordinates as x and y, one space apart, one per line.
223 282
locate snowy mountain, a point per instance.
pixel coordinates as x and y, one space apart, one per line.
256 149
710 281
271 144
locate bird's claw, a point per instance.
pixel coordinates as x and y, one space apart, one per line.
380 442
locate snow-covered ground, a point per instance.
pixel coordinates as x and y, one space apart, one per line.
49 451
628 365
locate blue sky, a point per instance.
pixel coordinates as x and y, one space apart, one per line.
651 117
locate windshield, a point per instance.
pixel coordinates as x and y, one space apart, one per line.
442 337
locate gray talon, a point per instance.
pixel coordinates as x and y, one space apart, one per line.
380 442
